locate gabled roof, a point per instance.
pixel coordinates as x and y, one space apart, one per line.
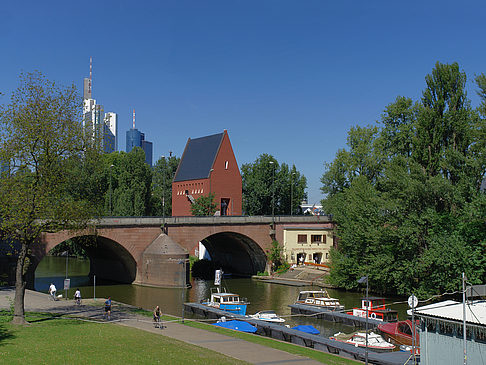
198 157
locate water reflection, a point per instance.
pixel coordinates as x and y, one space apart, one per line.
262 296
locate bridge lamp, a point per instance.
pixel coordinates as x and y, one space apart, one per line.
362 280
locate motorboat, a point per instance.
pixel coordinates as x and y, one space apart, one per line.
319 298
375 341
376 309
223 300
229 302
400 333
268 316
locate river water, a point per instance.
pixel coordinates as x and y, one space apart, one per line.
262 296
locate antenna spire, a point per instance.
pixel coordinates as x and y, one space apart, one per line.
90 75
133 118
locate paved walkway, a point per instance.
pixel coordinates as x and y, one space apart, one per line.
229 346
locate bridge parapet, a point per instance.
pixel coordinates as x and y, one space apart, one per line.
212 220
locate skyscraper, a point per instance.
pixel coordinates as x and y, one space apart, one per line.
135 138
111 121
103 129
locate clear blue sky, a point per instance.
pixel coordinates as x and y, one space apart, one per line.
287 78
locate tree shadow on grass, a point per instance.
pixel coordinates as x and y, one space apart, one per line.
42 317
5 334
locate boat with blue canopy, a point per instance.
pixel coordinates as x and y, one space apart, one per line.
237 325
307 329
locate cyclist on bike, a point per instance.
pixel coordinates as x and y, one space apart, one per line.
77 297
157 315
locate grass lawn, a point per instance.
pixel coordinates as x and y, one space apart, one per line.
52 340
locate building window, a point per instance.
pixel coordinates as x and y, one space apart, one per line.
316 238
302 238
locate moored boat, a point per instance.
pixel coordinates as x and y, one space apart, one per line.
377 310
358 339
237 325
400 333
229 302
319 298
268 316
223 300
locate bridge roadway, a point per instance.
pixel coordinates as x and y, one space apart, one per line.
154 250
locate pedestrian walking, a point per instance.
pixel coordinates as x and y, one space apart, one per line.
108 308
52 291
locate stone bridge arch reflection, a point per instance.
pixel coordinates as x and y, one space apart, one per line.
108 259
235 253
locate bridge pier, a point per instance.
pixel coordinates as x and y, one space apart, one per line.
164 263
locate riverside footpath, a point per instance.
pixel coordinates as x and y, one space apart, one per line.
121 315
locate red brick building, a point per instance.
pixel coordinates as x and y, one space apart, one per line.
208 165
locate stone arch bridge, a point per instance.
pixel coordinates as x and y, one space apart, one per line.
141 251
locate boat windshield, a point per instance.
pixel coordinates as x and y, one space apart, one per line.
405 328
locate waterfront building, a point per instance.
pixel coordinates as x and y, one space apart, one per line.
307 244
208 165
135 138
441 332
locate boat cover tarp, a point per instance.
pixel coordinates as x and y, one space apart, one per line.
307 329
237 325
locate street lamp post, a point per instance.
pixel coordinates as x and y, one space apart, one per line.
183 286
273 192
111 190
291 191
210 196
361 281
163 194
210 173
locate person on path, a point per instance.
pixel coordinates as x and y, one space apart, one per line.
108 308
157 317
77 297
52 291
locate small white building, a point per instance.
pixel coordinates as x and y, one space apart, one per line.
441 332
307 244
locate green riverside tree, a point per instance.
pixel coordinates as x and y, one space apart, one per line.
41 133
163 174
266 177
128 182
406 195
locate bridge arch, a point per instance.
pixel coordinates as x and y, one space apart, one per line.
109 260
115 254
235 252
